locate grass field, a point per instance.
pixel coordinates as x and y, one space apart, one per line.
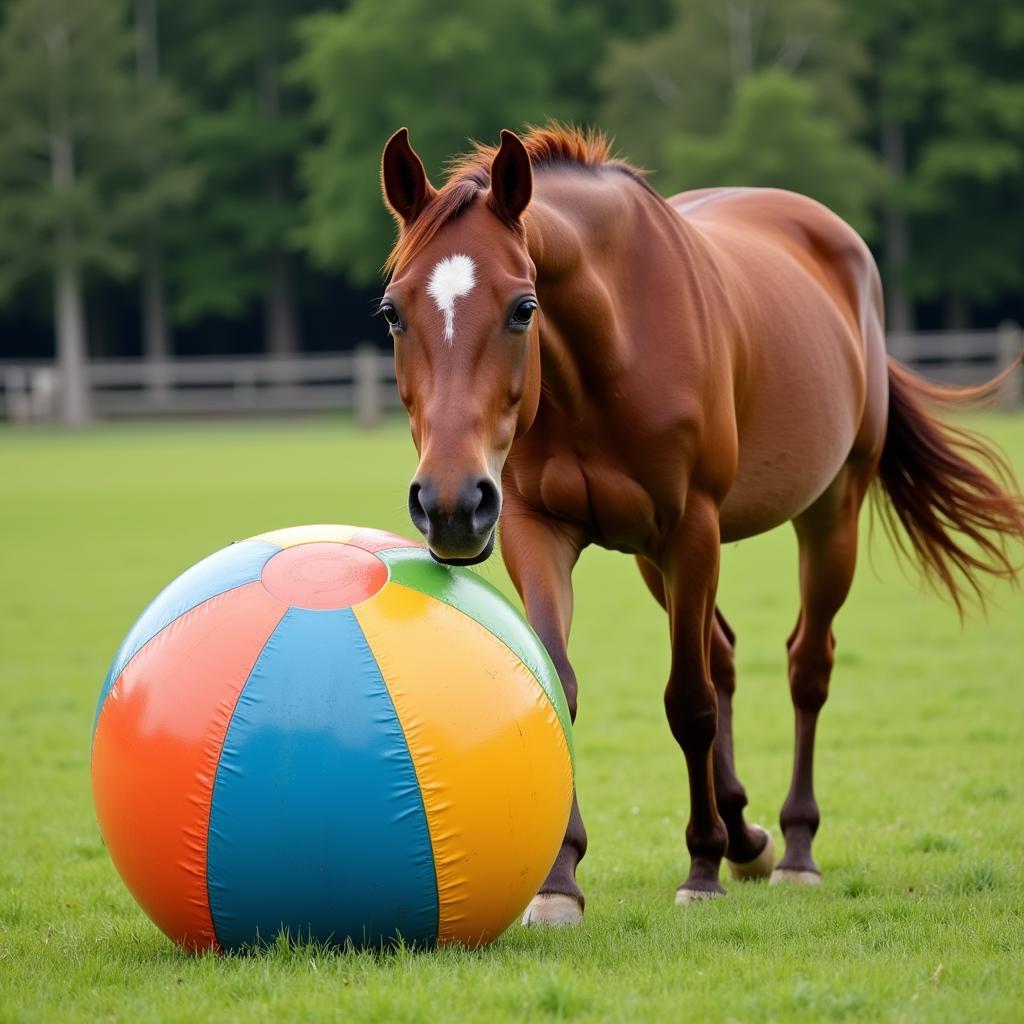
921 914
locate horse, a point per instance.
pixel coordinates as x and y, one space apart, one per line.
589 363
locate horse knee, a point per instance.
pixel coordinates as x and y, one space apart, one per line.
808 686
724 677
692 714
810 669
730 795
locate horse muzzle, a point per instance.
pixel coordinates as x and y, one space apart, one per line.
460 530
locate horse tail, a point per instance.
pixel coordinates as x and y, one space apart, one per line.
953 492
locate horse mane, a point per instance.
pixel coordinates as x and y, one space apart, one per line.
469 175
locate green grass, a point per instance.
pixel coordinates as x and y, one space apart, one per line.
919 771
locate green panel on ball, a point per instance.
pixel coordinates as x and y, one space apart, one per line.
482 602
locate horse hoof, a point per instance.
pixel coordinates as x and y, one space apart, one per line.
761 866
684 897
553 909
789 876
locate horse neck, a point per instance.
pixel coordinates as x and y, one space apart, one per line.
582 235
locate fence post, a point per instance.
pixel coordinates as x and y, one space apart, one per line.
17 395
366 384
43 394
1011 341
158 379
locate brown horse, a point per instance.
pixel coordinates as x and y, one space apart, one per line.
659 378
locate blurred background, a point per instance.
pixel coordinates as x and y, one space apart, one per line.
190 219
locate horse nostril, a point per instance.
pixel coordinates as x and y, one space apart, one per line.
485 515
417 513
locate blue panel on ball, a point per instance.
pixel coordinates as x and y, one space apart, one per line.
224 570
317 824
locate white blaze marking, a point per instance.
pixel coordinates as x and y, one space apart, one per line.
452 278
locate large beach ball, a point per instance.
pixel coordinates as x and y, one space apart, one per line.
322 731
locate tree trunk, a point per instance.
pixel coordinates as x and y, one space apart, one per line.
156 333
69 314
147 53
71 343
740 23
281 323
895 226
282 329
895 236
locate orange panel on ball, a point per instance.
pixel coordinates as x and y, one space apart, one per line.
490 756
167 715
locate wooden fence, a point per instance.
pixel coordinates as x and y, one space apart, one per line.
363 381
965 357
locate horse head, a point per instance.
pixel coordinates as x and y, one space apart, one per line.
461 305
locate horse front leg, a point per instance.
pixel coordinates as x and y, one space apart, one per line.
690 569
751 852
540 555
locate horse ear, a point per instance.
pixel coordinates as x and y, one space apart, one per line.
511 178
406 188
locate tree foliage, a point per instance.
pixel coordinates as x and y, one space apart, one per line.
773 136
246 129
449 72
251 162
684 78
78 126
952 76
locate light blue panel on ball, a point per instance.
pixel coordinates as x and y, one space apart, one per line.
224 570
317 824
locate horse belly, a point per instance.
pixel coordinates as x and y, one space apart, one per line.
795 434
804 290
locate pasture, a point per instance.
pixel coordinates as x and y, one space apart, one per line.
921 914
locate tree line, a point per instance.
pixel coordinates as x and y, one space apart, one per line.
201 175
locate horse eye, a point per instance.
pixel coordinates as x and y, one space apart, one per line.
523 313
391 315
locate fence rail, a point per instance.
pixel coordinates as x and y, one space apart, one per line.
965 358
363 381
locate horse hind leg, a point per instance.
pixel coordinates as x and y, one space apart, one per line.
827 537
751 852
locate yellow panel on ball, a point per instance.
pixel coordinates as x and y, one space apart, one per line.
489 751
